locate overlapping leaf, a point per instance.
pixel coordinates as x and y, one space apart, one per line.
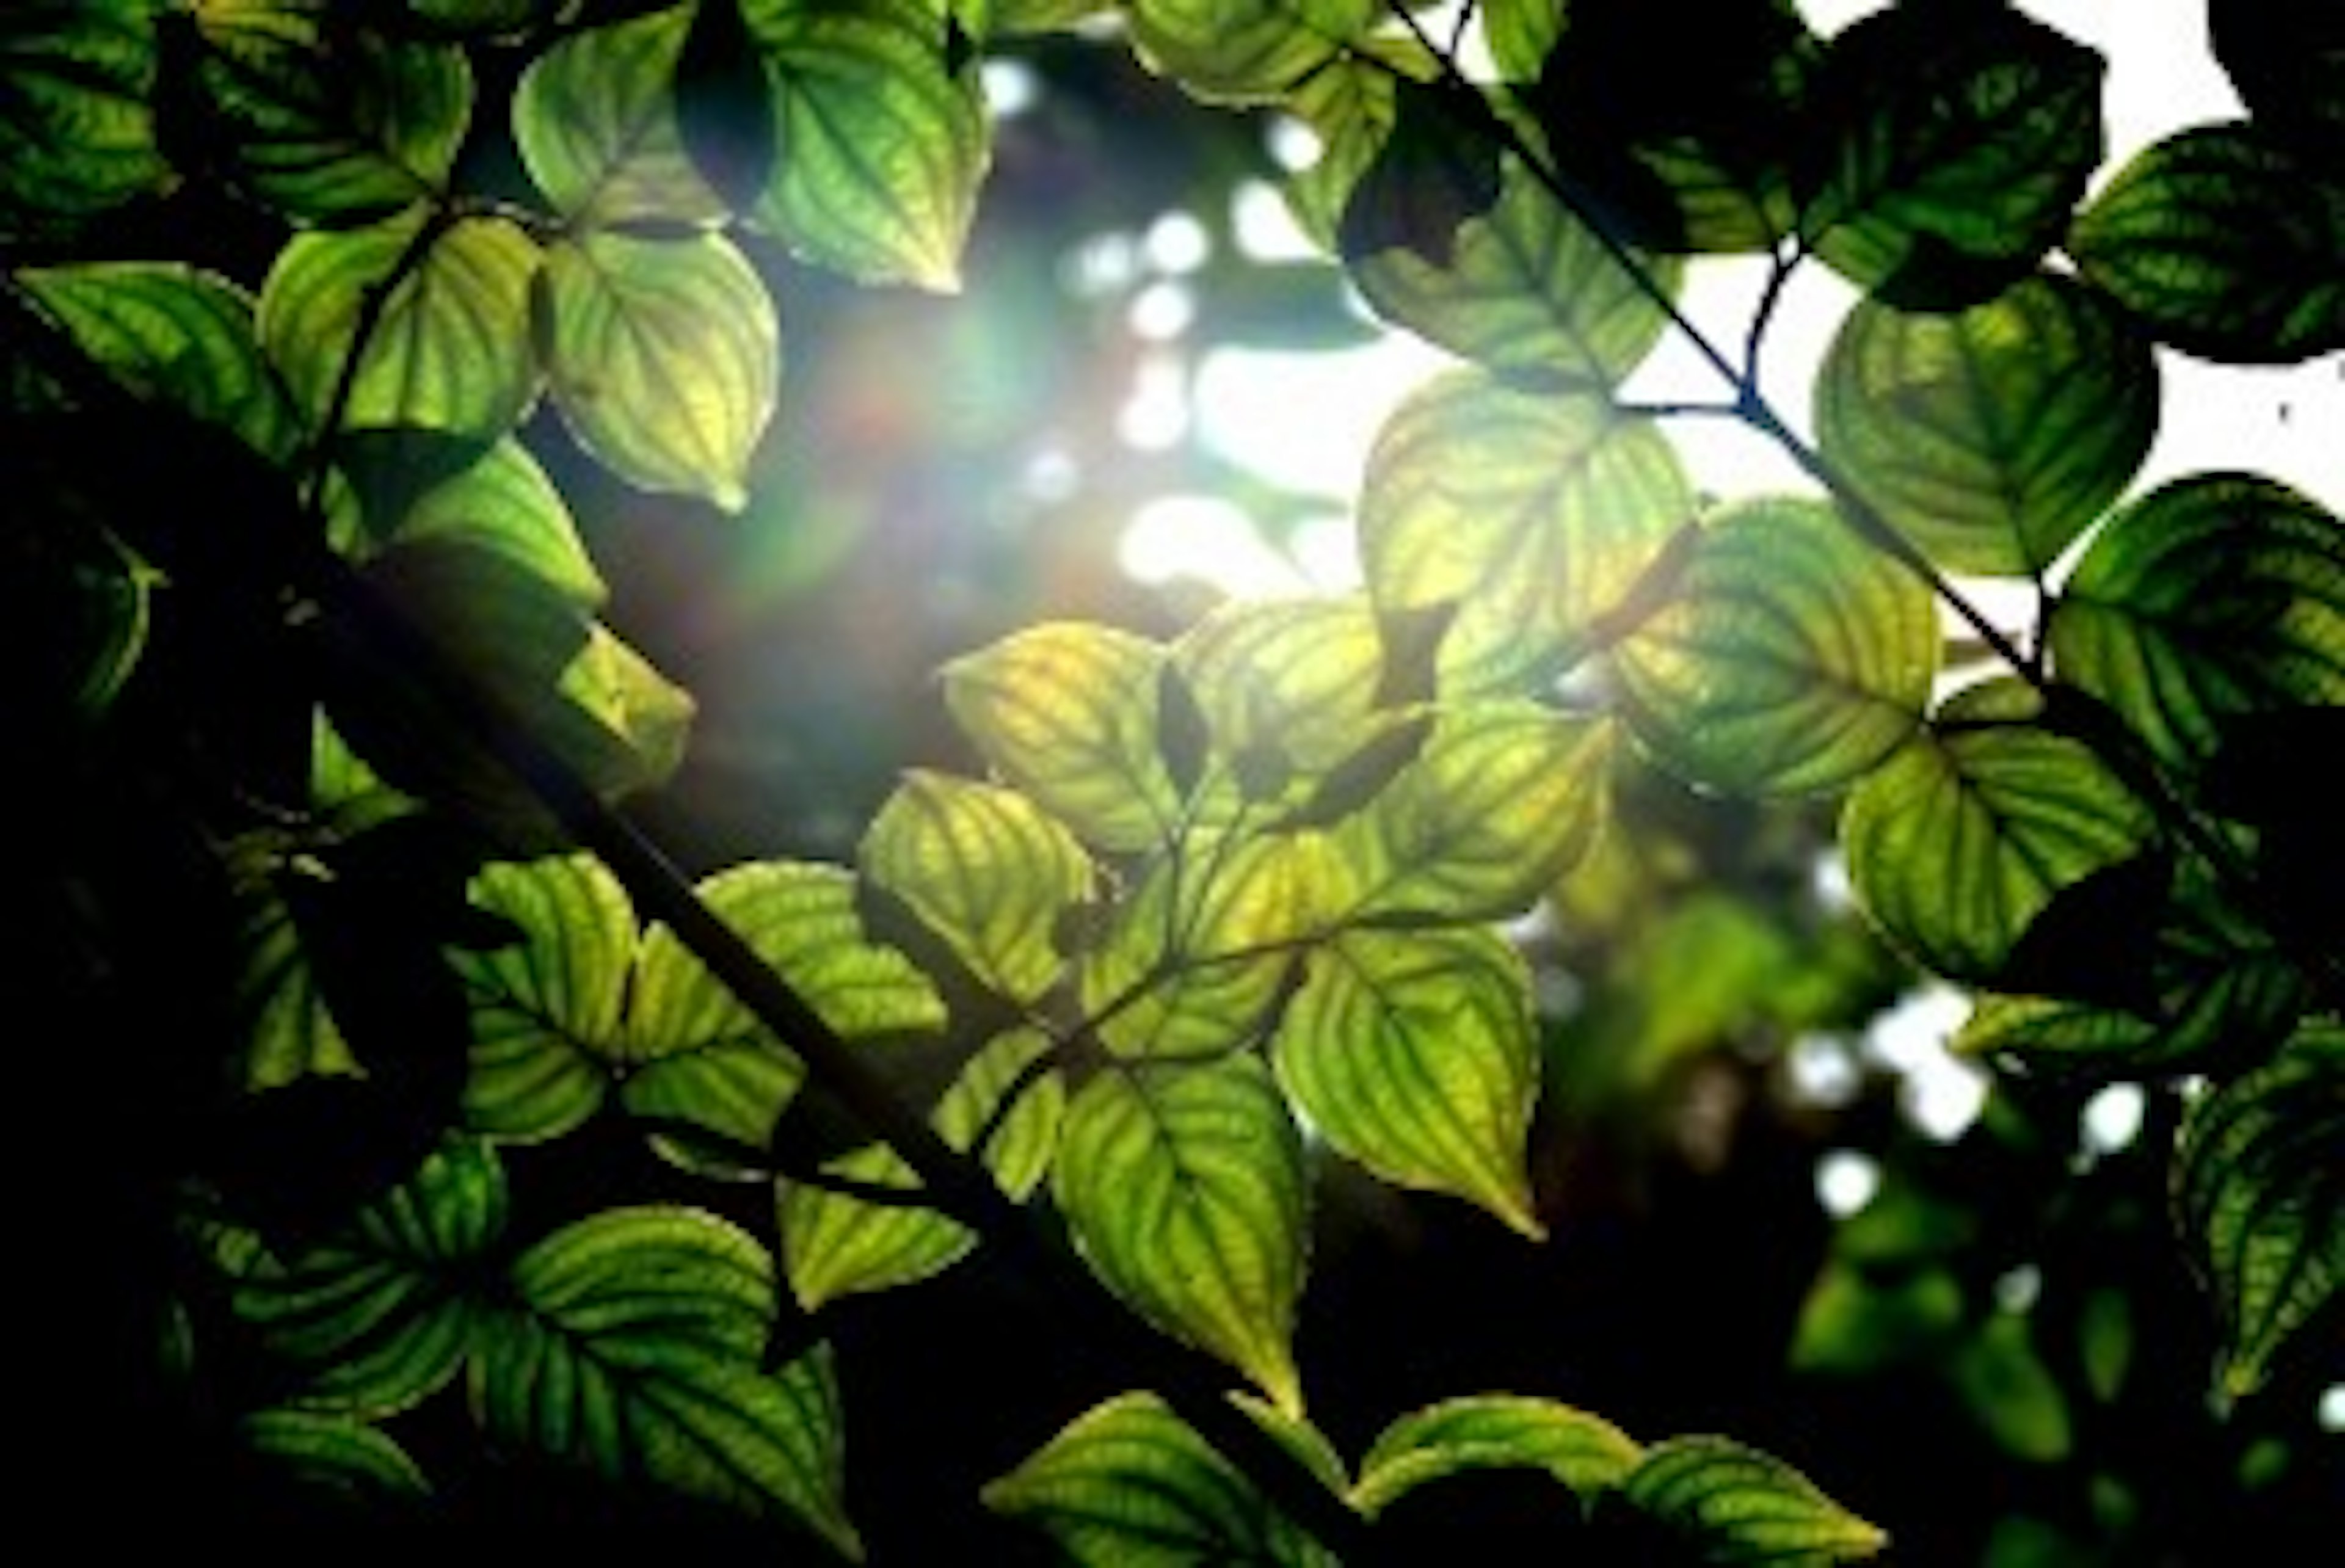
882 147
2214 596
335 1455
1415 1055
1245 51
2260 1200
1533 514
1790 657
450 349
1351 104
501 502
1130 1484
594 120
664 356
835 1244
78 132
1992 437
1296 679
631 1350
1184 1188
1494 1431
381 1315
2223 240
1067 712
1964 835
1733 1504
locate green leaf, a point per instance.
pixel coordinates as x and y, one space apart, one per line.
1734 1504
985 869
594 120
1528 289
546 1010
1067 712
336 1455
501 502
882 147
1494 1431
631 1350
377 1317
1533 514
1950 143
1791 657
1130 1484
1433 172
1415 1055
173 333
1245 51
1992 436
834 1245
1184 1188
2223 240
285 1030
77 130
324 120
1504 798
1298 677
664 356
450 349
1351 103
2260 1198
2010 1392
1964 833
2216 595
698 1056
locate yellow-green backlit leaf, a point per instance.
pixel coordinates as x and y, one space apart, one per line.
1184 1188
594 120
986 869
1245 51
1067 712
1298 677
881 148
1732 1504
78 136
1415 1055
2260 1200
1533 514
506 504
1790 658
1130 1484
1994 436
451 345
664 356
1494 1431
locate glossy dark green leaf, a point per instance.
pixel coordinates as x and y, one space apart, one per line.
1994 436
1130 1484
379 1316
662 356
835 1244
1526 289
175 333
1950 140
723 106
881 146
1732 1504
1415 1055
1245 51
1791 656
630 1350
2285 62
335 1455
451 345
324 119
1533 514
2214 596
1962 837
594 120
2223 240
77 130
546 1010
1493 1431
2260 1200
1067 712
1502 800
1184 1188
986 869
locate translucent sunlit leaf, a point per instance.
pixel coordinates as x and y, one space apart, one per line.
1415 1055
1733 1504
1533 514
1493 1431
1298 677
630 1350
1245 51
1184 1188
1791 656
1994 436
502 502
594 120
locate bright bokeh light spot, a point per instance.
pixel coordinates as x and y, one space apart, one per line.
1327 552
1824 1070
1941 1093
1306 421
2332 1408
1195 538
1846 1181
1293 145
1263 226
2112 1118
2016 1289
1177 243
1828 882
1156 416
1104 264
1010 87
1161 311
1050 476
